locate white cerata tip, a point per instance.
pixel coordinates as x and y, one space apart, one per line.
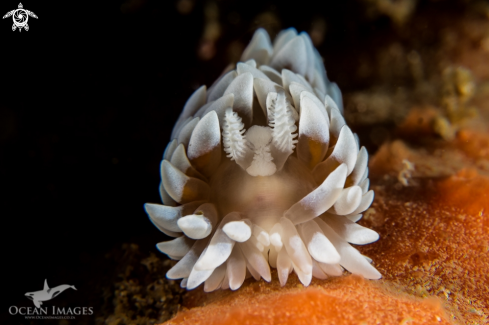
262 171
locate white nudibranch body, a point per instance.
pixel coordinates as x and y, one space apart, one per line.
262 171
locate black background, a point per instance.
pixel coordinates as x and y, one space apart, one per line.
88 98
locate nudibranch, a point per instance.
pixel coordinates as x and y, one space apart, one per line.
262 171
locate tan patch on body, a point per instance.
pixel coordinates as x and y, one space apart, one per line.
194 190
316 151
208 162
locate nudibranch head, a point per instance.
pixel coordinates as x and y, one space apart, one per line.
262 171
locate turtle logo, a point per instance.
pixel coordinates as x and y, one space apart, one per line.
20 17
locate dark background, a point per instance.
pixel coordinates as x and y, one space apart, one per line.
88 98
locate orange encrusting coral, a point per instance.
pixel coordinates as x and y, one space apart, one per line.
469 191
419 121
346 300
434 235
474 144
442 161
